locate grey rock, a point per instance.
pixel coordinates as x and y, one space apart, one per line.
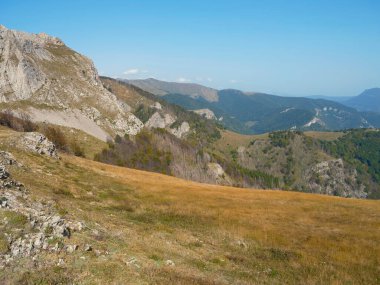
38 143
160 122
60 262
27 74
206 113
332 177
3 173
72 248
46 224
182 130
169 262
87 247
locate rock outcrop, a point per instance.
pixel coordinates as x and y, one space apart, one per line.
206 113
37 143
216 171
165 122
43 72
332 178
158 121
38 228
181 131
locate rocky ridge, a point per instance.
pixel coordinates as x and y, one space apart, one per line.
44 73
165 122
37 143
207 113
39 226
332 178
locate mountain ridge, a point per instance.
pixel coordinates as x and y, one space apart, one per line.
162 88
368 101
257 112
43 77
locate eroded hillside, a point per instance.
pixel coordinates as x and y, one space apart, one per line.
142 227
340 164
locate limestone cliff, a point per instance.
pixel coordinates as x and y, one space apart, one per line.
39 74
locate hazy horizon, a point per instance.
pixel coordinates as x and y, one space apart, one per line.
298 48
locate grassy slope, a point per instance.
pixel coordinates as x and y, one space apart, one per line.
234 140
214 234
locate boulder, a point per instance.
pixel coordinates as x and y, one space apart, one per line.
182 130
38 143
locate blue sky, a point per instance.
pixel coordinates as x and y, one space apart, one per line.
283 47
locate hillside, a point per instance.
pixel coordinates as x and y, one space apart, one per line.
46 83
41 76
341 164
255 113
260 113
134 227
368 101
161 88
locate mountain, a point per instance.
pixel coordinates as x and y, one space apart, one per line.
260 113
368 101
339 99
88 193
43 77
162 88
254 112
45 84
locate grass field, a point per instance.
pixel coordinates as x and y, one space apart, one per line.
328 136
233 140
157 229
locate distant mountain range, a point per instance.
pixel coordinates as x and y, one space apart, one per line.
367 101
259 113
162 88
339 99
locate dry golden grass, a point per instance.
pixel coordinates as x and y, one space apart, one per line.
88 143
328 136
126 93
233 140
213 234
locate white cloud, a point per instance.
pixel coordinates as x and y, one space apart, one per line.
233 81
183 80
134 72
131 71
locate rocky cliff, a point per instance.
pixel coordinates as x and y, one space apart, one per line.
40 75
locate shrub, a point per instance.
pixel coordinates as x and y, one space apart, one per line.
144 113
282 138
76 149
55 135
140 153
20 123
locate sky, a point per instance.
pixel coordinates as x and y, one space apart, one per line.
292 48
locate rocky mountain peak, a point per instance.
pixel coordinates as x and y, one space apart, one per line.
39 73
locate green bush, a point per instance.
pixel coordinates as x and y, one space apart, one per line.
141 153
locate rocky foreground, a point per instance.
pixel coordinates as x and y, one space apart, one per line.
40 228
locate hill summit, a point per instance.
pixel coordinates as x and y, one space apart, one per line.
39 74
